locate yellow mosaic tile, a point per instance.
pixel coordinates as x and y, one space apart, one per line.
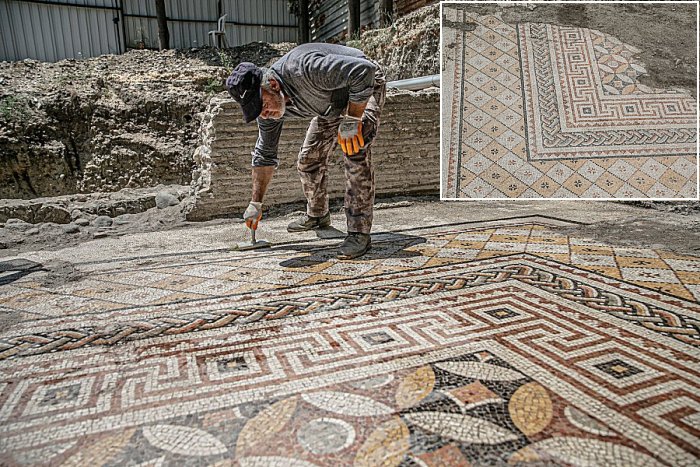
632 262
689 277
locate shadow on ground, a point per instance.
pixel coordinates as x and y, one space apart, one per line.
384 246
15 269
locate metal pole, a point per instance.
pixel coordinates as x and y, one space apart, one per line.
219 14
117 29
163 34
415 84
303 21
386 12
353 19
123 21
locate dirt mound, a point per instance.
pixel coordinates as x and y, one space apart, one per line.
408 48
681 207
110 122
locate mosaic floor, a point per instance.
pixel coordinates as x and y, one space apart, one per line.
545 111
488 343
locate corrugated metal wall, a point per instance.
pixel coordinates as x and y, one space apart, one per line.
85 28
329 18
247 21
53 32
259 20
142 26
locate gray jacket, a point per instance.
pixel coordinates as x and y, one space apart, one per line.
320 80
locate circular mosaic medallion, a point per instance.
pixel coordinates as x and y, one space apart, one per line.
326 435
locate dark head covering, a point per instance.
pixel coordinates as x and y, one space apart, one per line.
244 87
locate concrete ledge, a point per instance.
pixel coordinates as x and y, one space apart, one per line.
406 156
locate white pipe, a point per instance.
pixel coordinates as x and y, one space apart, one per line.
415 84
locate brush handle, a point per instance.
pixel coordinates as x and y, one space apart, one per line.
252 231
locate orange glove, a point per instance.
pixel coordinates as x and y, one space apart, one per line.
252 215
350 135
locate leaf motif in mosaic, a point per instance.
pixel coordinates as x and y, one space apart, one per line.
415 387
183 440
583 451
385 446
101 451
264 425
586 423
348 404
372 382
463 428
530 408
481 371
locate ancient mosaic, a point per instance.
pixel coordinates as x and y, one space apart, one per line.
546 111
490 343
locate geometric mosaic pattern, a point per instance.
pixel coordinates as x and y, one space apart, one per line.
498 357
541 111
139 287
679 326
571 112
117 288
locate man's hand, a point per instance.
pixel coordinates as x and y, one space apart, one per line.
350 135
252 215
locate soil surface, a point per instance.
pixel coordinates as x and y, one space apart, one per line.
665 33
110 122
409 48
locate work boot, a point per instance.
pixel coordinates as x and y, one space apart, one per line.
355 244
310 223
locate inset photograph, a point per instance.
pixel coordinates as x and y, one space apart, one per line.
569 101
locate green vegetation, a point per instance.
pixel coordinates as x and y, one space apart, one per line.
214 85
226 61
354 41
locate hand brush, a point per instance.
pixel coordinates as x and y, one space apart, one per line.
252 244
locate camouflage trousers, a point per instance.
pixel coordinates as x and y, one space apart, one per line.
312 165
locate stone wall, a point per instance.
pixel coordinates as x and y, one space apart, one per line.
405 156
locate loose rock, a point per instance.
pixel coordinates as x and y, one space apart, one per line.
165 199
17 225
70 228
102 221
123 219
51 213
